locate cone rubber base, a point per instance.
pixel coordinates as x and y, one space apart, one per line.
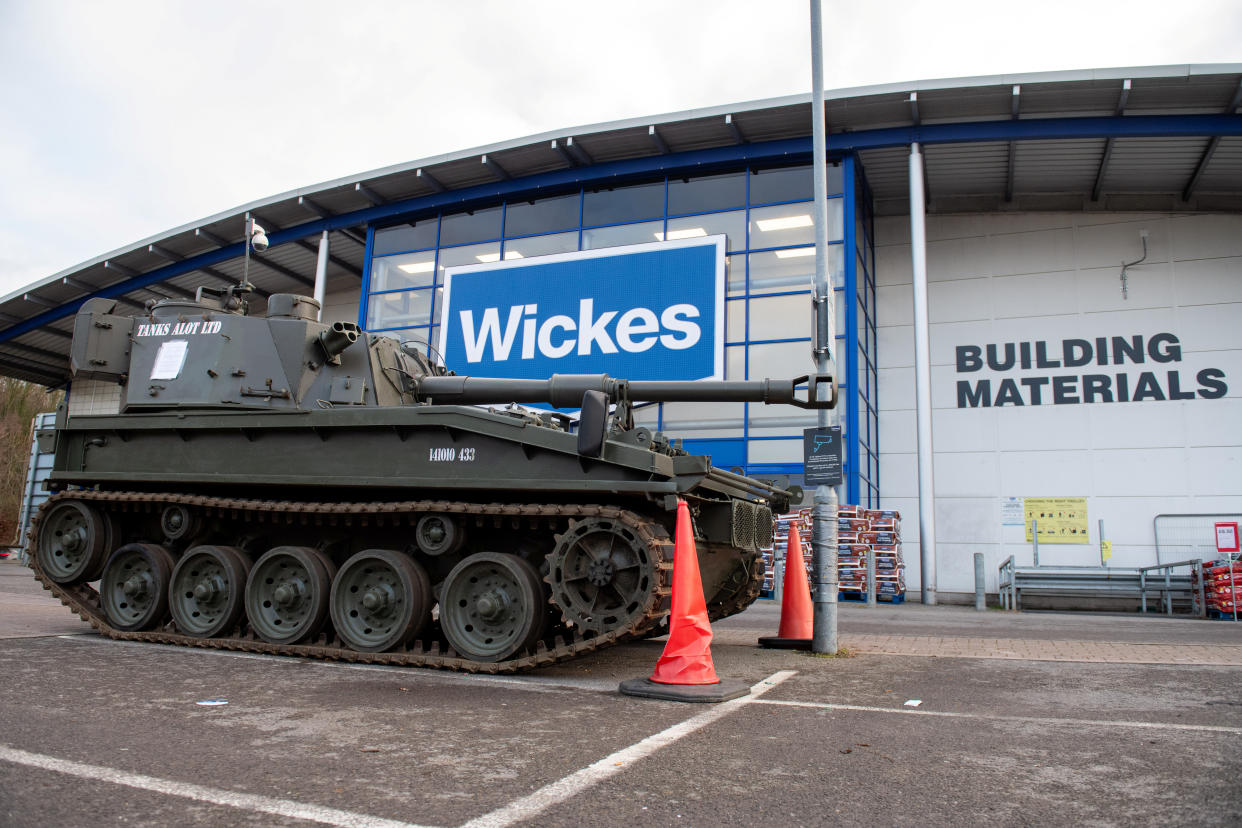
775 642
701 693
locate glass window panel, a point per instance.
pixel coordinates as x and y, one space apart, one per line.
732 225
425 339
791 184
792 269
780 317
776 421
780 360
774 451
735 363
392 310
647 415
735 275
711 420
541 245
735 320
411 236
543 216
471 254
711 192
790 224
624 234
473 226
401 272
643 201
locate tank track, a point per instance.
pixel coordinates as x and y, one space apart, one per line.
561 644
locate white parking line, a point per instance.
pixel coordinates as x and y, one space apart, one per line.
945 714
249 802
551 794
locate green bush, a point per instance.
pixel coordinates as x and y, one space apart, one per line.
19 403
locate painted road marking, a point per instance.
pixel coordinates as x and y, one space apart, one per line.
944 714
533 804
215 796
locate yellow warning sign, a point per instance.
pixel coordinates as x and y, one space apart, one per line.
1060 519
1106 550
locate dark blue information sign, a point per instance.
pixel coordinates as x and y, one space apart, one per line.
821 456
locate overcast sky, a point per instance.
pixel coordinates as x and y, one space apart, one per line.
122 119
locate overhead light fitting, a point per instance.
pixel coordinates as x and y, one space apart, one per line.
488 257
785 223
513 254
417 267
796 253
686 233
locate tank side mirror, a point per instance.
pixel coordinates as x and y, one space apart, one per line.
592 423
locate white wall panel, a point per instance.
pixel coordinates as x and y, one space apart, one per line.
1139 472
965 474
1016 278
896 388
1048 473
1206 237
963 300
1149 286
1039 427
1035 294
1041 251
1217 469
1215 327
1111 244
1209 281
1150 424
958 430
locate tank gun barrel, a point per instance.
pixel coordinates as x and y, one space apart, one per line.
567 390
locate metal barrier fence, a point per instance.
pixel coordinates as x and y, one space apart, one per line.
1181 537
1157 581
39 467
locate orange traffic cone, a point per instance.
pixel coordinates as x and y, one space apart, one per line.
685 671
797 614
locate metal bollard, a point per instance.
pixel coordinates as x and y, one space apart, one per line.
980 596
870 577
1035 541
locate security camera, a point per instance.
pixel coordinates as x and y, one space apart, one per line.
258 238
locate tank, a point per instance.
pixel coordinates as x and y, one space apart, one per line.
274 484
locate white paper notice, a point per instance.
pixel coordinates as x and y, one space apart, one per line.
169 359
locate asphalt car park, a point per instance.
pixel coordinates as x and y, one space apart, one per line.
112 733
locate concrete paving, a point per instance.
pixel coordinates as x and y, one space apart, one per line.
1028 718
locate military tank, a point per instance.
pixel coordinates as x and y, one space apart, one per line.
274 484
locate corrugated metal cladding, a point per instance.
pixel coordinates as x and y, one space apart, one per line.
963 175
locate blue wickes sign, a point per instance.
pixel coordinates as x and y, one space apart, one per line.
641 312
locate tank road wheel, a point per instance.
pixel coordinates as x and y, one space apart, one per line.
492 607
134 589
601 574
381 600
287 594
206 597
74 542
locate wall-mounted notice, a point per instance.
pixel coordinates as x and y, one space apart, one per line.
1226 537
1061 519
1011 511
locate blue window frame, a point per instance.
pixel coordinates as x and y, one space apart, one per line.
767 214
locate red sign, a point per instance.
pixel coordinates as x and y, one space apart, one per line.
1227 537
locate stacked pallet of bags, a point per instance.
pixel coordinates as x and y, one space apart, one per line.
858 530
782 525
861 530
1222 587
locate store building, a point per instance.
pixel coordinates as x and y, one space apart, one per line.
1056 371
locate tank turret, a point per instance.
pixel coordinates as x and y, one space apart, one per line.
290 486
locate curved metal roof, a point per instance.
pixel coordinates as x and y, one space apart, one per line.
1150 138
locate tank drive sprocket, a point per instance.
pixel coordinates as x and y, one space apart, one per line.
601 574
